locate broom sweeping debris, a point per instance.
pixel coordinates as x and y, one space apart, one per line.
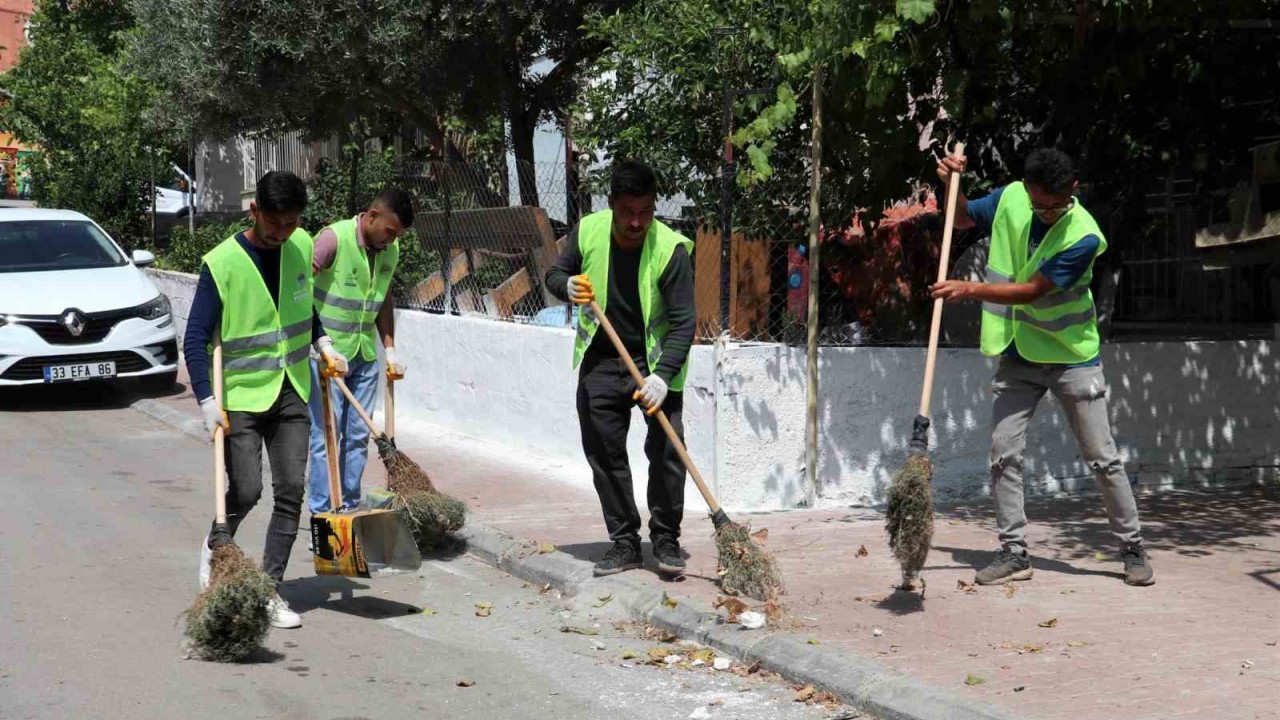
909 517
229 619
746 567
430 513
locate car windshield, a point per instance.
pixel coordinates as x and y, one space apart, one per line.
46 245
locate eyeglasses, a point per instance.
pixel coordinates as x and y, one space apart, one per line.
1055 210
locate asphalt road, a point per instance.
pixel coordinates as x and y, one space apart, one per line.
102 510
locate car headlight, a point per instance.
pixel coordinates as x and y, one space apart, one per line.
155 309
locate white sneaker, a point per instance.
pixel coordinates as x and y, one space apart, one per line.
206 555
281 616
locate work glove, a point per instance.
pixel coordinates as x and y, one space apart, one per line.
580 290
652 394
335 362
214 416
395 368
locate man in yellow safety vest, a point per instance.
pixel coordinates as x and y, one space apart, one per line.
644 272
354 262
1038 317
255 289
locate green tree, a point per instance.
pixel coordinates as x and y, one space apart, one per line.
73 97
339 67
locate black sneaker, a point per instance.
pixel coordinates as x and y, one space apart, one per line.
1137 571
667 552
1005 567
622 556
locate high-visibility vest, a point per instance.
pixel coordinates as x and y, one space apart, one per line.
1059 328
348 296
595 242
263 343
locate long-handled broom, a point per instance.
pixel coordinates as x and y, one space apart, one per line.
431 513
746 568
909 518
229 618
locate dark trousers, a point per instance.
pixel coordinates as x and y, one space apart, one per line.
604 414
284 429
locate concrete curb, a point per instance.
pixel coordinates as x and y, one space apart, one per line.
862 683
188 424
857 681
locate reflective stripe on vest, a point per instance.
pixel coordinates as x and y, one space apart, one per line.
348 297
263 342
1060 327
595 243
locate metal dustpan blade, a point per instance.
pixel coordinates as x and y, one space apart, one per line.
364 544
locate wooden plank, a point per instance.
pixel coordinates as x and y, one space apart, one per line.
490 228
506 295
706 282
750 284
433 285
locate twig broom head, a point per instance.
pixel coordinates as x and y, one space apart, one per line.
746 567
909 516
431 515
229 620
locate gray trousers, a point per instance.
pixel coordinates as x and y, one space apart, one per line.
1018 389
283 429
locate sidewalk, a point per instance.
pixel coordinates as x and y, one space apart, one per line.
1201 643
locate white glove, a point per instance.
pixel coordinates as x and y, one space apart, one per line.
395 368
336 361
652 394
214 416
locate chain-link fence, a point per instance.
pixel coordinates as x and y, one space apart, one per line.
485 238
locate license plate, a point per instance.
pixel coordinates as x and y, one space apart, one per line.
79 371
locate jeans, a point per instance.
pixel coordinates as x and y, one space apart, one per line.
353 435
604 415
283 429
1082 392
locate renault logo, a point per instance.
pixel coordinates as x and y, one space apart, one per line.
73 321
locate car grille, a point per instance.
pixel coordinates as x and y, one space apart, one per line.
96 326
32 368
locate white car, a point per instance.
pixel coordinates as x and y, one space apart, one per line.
74 306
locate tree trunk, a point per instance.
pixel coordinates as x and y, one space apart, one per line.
522 145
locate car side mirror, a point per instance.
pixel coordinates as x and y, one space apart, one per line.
143 258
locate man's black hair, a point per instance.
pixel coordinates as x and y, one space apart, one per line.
632 178
1051 170
398 202
281 191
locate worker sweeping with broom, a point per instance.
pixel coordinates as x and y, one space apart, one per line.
642 272
1038 317
256 286
354 263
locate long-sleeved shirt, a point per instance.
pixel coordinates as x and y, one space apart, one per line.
623 305
206 312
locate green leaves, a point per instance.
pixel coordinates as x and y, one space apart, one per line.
917 11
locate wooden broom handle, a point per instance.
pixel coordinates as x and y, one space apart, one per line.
662 417
330 442
935 327
364 414
391 407
219 437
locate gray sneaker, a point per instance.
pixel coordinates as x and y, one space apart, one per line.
1137 570
1005 567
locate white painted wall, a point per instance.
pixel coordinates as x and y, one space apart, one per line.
1183 413
180 289
515 384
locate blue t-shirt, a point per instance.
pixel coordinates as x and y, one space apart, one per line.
1063 270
